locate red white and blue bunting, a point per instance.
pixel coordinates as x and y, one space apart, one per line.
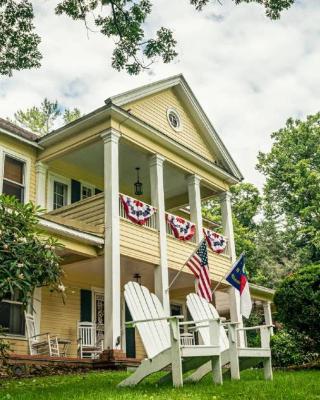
181 228
137 211
216 242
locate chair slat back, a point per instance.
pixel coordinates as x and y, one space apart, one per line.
30 327
200 309
87 333
144 305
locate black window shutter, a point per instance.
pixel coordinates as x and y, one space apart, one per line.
130 336
97 191
75 191
85 305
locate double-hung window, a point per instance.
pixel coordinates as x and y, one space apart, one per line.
12 315
14 177
60 194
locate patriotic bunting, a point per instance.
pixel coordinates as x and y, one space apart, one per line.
137 211
216 242
181 228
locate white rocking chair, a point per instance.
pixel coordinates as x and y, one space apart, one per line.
161 338
239 357
42 343
89 346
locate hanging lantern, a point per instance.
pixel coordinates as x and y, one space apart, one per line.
138 185
137 278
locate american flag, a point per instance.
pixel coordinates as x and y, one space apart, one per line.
198 263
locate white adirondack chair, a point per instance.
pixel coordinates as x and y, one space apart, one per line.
161 338
239 357
89 346
43 343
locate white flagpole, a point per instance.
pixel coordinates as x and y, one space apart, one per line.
180 270
224 277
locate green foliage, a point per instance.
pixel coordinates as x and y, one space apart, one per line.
292 190
246 201
18 41
27 260
290 348
298 303
4 345
122 20
41 119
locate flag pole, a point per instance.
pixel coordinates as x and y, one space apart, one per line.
224 277
180 270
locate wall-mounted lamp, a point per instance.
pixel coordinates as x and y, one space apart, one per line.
137 278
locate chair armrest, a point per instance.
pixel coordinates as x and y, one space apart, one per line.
133 323
199 321
39 334
250 328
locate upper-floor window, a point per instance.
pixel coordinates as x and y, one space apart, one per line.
86 191
14 177
174 119
60 194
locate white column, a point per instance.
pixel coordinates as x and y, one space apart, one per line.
195 204
157 200
227 225
41 178
112 289
267 314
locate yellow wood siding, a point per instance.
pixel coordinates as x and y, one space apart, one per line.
17 345
179 252
148 249
28 152
153 110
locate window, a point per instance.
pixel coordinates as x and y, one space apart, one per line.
12 315
86 192
60 194
13 178
174 119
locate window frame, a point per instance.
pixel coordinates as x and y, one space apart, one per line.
174 111
4 151
88 186
52 177
14 335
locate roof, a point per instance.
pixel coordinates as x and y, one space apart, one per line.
16 130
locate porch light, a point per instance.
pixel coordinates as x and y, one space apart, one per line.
138 185
137 278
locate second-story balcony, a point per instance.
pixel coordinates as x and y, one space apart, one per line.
139 241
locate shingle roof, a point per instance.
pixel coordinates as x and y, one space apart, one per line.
12 128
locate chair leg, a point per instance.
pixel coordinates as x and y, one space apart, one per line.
177 374
267 367
217 370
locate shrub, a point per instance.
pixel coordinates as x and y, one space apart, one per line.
298 303
290 348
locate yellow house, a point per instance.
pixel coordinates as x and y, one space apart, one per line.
78 172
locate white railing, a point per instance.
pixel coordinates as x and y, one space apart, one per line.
171 233
151 222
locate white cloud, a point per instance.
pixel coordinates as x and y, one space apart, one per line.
249 73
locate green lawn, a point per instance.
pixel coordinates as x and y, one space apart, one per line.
304 385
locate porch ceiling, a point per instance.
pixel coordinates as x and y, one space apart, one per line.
90 160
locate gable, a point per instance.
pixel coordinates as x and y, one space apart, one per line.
153 110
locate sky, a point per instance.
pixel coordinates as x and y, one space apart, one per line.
249 73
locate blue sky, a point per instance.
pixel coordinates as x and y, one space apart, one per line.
249 73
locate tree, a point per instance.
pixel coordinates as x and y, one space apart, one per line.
292 189
27 259
41 119
122 20
298 302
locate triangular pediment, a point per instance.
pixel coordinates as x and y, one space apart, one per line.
152 103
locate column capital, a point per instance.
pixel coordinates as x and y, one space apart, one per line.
41 168
193 179
225 196
156 159
110 135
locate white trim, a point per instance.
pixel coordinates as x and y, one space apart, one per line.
174 111
89 186
53 177
69 232
26 173
20 138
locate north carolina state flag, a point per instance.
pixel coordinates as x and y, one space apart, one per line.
238 279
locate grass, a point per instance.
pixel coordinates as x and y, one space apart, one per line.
297 385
